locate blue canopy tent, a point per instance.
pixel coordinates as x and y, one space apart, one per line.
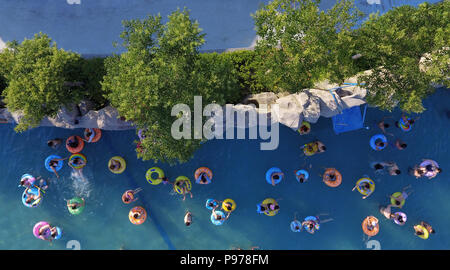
348 119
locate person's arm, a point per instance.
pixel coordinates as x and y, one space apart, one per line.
54 170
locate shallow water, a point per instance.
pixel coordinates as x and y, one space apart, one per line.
239 169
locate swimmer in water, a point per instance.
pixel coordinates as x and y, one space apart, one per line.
75 205
320 147
393 168
219 217
276 176
400 144
54 143
43 184
203 179
188 218
115 165
379 166
386 211
77 161
365 187
383 126
428 227
301 178
398 200
54 163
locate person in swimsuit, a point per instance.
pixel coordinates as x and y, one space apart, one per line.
400 144
54 163
398 200
275 176
54 143
188 218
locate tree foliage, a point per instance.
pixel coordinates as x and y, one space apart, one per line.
37 73
161 68
299 43
396 41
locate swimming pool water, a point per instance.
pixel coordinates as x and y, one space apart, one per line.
239 169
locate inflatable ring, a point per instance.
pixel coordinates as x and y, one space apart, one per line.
271 212
404 126
400 214
224 205
300 172
28 180
310 148
316 223
78 155
364 191
178 189
296 226
269 175
211 204
47 234
128 194
220 221
308 125
425 235
123 164
375 138
327 180
78 210
47 163
139 220
154 180
368 221
79 147
33 191
203 170
427 162
396 195
58 233
96 135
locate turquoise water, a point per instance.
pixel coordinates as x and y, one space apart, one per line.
239 169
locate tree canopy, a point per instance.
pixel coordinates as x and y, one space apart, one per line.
300 44
160 69
37 73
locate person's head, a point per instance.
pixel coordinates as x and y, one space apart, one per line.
378 166
310 226
228 206
29 200
397 172
126 199
332 176
366 185
301 178
439 170
429 167
322 148
411 121
112 167
419 232
403 145
397 202
136 215
50 143
380 143
385 125
400 218
22 182
187 223
297 227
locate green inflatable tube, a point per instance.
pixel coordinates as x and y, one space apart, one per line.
79 209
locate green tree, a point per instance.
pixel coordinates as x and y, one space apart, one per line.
300 44
393 45
37 76
161 68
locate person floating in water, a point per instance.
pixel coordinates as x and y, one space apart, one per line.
304 128
77 162
53 164
393 168
115 165
75 205
312 225
275 176
365 187
320 147
266 208
219 217
43 184
188 218
383 126
301 177
73 142
408 122
129 196
54 143
400 145
30 197
398 200
183 185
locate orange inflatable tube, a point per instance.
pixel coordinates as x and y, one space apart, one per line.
79 147
128 194
367 223
328 179
141 218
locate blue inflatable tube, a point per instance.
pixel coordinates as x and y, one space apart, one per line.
208 180
218 222
47 163
300 172
269 174
59 233
211 204
33 191
295 224
375 138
